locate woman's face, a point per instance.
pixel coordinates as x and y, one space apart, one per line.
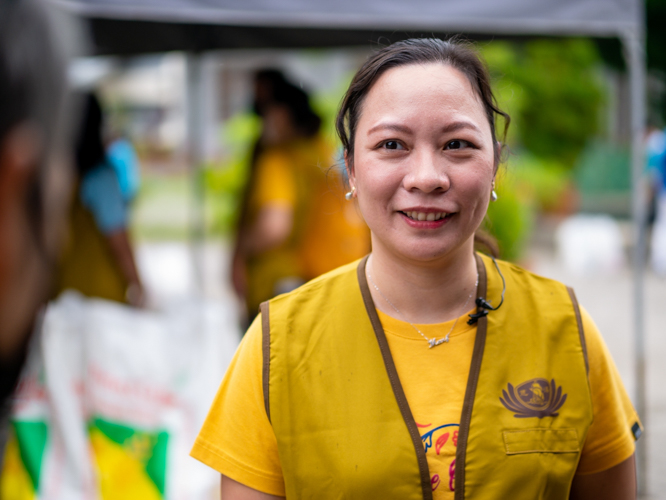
423 164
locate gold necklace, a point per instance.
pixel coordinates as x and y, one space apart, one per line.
431 341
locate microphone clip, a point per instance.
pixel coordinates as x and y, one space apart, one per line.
484 308
473 318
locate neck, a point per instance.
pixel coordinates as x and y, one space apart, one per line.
424 293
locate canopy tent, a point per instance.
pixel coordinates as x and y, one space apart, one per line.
129 26
140 26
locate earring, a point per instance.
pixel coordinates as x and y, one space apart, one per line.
350 194
493 193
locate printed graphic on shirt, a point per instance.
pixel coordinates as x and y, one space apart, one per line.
534 398
441 440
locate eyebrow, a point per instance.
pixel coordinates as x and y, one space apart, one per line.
390 126
450 127
459 125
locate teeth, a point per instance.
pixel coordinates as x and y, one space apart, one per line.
422 216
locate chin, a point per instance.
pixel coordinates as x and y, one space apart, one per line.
431 252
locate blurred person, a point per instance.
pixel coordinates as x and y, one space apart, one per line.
98 260
294 225
425 370
35 171
122 157
656 164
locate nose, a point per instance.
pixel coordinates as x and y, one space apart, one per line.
427 172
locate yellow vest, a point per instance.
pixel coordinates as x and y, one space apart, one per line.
87 264
344 428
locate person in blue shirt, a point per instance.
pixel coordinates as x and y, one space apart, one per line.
99 260
122 157
656 164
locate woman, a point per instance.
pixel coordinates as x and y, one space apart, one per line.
98 260
293 225
379 380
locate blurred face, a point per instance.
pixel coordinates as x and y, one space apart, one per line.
278 126
423 164
27 252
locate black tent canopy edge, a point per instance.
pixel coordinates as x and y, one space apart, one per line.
128 37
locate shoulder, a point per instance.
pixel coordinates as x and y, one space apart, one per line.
341 277
333 298
273 157
519 280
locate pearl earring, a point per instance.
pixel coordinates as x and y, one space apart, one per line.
350 194
493 193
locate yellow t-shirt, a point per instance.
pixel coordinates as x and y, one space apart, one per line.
238 441
275 184
327 232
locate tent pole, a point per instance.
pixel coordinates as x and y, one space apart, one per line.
634 48
195 141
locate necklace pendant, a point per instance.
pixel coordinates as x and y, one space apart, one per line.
434 342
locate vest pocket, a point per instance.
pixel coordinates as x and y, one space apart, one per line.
540 440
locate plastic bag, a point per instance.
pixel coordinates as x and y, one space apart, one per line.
112 401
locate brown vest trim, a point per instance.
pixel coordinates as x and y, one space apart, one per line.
579 322
395 381
472 382
266 351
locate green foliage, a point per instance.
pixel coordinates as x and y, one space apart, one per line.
553 92
225 183
540 182
528 186
509 222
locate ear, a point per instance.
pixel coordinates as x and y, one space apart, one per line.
19 154
498 156
20 150
350 170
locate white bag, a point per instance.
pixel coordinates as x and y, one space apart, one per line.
125 393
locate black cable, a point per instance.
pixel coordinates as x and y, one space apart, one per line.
483 305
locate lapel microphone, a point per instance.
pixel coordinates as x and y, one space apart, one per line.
483 306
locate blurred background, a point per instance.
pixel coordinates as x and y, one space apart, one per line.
181 98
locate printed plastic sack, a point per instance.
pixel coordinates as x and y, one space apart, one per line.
119 399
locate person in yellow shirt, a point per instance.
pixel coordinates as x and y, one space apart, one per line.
238 441
425 370
295 225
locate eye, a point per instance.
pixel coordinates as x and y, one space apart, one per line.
392 145
458 144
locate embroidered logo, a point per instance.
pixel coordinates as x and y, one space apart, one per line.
534 398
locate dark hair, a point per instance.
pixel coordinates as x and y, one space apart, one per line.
90 150
33 78
458 54
282 91
35 44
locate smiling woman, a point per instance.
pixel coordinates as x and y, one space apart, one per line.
377 380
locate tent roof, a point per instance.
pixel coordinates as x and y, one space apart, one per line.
132 26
